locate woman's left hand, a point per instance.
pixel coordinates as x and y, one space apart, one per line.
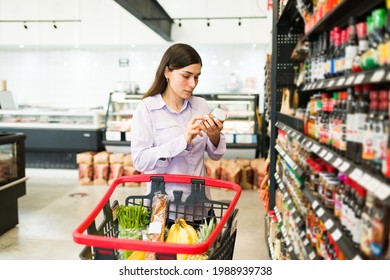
213 129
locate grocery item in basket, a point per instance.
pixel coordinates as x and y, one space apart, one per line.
182 233
157 220
204 231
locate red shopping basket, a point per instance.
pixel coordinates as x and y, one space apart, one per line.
103 243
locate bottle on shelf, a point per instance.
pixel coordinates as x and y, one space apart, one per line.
336 58
351 49
343 124
338 198
357 217
380 16
380 133
351 132
345 207
380 229
329 59
362 107
368 148
387 33
362 48
366 231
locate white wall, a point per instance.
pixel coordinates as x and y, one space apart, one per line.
84 77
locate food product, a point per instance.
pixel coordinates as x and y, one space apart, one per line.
85 157
182 233
157 221
116 158
100 173
101 157
116 171
204 231
85 174
137 255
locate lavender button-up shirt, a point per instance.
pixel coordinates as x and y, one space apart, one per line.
158 145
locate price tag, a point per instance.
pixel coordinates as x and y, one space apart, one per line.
315 204
155 228
378 76
297 220
290 249
323 153
376 184
383 191
287 241
321 85
350 80
309 144
293 210
365 181
329 156
388 77
357 257
331 83
320 212
312 255
337 162
315 148
329 224
286 195
356 174
302 234
359 79
276 209
306 242
340 82
344 167
289 201
336 235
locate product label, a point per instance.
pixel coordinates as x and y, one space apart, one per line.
350 53
360 119
351 128
368 142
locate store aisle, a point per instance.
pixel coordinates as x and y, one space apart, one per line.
55 204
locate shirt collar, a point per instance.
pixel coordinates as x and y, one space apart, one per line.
158 102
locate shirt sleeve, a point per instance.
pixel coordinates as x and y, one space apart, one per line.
146 156
216 153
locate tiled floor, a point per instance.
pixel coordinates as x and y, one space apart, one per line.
50 211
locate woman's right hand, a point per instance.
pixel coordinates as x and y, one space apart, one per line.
194 128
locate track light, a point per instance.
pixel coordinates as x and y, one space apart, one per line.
208 22
54 25
239 21
179 22
25 25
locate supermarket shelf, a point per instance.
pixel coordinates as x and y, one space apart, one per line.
285 234
376 76
374 183
291 163
333 226
290 121
290 14
340 14
298 220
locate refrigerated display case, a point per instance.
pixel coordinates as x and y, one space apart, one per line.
12 178
241 127
55 136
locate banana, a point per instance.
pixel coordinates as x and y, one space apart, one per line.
137 255
182 233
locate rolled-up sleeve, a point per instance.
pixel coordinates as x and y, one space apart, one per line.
146 156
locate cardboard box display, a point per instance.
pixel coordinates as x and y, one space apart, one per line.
100 173
116 158
116 171
85 157
101 158
85 174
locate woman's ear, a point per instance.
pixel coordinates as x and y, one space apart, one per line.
167 73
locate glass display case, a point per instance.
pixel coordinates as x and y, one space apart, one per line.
12 178
55 135
240 128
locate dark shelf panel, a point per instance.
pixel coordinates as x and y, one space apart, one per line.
374 183
297 124
377 76
290 15
333 226
340 15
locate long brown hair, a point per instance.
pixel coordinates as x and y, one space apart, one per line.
175 57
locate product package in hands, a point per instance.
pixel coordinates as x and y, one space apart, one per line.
218 114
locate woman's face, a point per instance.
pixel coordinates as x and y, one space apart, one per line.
183 81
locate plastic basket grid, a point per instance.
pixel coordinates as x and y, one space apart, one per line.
102 240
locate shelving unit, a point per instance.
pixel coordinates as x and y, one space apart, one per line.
286 31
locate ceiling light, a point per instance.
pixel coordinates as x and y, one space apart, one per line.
25 25
208 22
179 22
54 25
239 21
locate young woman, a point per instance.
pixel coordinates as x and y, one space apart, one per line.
171 129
